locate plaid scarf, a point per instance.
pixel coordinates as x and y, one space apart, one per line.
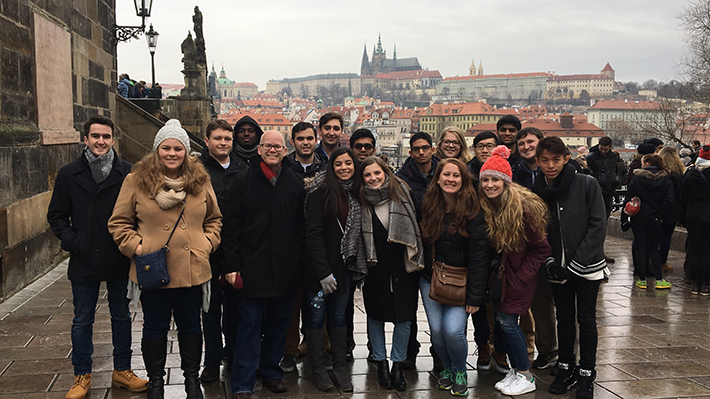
100 165
351 246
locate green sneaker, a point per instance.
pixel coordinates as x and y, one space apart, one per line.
641 284
446 379
663 285
460 387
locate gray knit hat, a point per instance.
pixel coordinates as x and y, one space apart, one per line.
172 130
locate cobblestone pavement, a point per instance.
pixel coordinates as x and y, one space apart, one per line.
652 344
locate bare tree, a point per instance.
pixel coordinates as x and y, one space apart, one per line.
695 20
672 121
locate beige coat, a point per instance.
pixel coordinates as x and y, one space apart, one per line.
137 217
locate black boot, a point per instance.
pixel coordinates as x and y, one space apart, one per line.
383 374
316 357
338 350
154 353
398 381
191 356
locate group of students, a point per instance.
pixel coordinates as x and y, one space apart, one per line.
351 223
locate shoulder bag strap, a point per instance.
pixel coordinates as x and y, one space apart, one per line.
176 224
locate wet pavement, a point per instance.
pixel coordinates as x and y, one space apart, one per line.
652 344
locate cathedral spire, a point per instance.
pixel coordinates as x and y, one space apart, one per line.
365 63
394 56
379 49
480 68
472 68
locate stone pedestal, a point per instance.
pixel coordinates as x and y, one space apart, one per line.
193 113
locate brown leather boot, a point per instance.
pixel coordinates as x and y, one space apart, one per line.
81 386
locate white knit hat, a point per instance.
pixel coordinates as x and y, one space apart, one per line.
172 130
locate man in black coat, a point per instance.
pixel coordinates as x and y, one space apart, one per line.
262 242
602 162
418 170
246 136
82 202
223 166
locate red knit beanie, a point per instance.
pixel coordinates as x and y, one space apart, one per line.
704 152
497 165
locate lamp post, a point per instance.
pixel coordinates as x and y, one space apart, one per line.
152 37
125 33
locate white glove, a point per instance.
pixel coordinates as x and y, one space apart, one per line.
329 284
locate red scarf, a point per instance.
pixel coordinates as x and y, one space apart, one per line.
270 174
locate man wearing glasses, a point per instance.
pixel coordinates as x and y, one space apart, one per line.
263 235
418 170
330 127
362 143
483 145
508 127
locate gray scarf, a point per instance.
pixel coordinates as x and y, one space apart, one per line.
351 246
402 227
100 165
243 152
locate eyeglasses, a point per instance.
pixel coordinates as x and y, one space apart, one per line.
268 147
422 148
508 129
360 146
329 127
454 143
487 146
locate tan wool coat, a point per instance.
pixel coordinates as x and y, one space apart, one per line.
138 217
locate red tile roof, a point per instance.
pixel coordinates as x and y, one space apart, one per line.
608 68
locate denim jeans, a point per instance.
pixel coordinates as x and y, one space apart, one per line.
577 299
400 340
85 296
335 308
261 338
448 329
160 305
511 336
214 323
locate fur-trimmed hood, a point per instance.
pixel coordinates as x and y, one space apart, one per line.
650 173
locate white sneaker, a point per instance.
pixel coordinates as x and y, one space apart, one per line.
519 386
506 380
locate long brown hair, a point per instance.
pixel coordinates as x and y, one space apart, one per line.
466 205
150 174
395 192
335 195
506 223
671 160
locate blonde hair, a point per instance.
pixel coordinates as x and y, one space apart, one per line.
671 160
506 223
150 174
464 155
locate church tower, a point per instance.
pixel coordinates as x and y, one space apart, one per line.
472 68
365 69
378 57
480 67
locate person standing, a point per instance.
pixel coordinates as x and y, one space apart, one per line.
169 188
263 240
418 170
452 144
695 197
395 253
516 220
483 145
83 198
455 231
675 168
362 142
602 161
247 134
507 128
330 129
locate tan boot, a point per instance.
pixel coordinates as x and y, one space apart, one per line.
81 386
129 380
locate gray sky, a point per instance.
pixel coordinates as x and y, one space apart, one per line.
274 39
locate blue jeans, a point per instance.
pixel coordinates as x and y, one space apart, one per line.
261 338
335 307
160 305
508 332
85 296
400 340
448 329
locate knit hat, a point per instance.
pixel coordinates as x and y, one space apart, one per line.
583 150
497 165
654 141
172 130
704 152
646 148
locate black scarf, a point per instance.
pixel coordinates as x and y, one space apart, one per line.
550 194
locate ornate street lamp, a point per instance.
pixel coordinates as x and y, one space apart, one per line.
152 38
125 33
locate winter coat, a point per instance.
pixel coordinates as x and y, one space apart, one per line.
524 176
123 86
221 179
474 166
674 215
633 165
695 194
137 219
577 226
390 293
414 179
263 231
78 213
521 268
655 190
603 167
323 237
319 163
473 252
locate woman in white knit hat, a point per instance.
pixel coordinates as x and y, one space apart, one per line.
169 190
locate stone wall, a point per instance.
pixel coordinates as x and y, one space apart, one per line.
57 69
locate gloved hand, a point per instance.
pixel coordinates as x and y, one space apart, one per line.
329 284
625 226
556 273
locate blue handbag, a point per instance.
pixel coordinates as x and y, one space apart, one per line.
152 268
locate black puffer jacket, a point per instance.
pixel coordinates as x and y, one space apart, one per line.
603 167
655 190
474 252
417 183
695 194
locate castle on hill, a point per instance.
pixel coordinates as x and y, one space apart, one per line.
381 64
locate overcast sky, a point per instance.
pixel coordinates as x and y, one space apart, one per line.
274 39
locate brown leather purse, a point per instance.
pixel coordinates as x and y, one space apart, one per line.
448 283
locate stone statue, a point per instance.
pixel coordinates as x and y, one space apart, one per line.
189 51
197 20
